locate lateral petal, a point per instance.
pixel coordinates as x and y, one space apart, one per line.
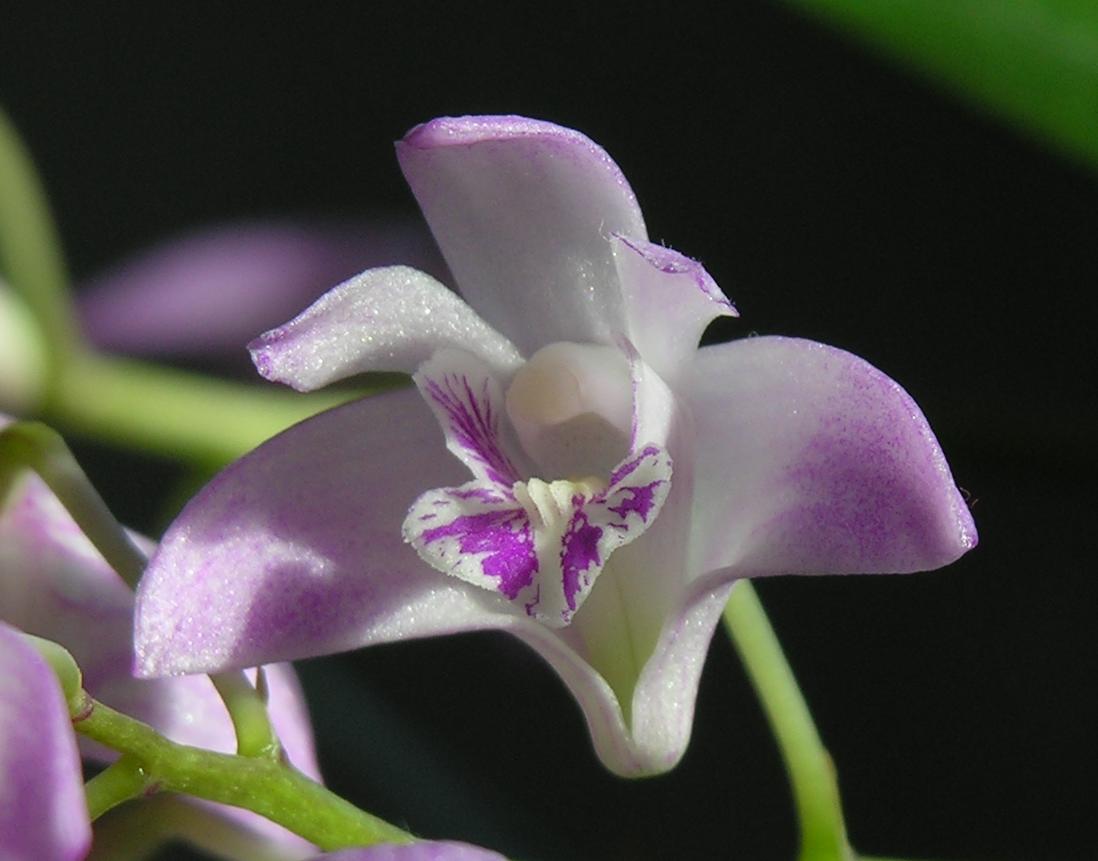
296 549
388 319
811 461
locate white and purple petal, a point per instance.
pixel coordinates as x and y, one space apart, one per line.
478 534
811 461
468 403
388 319
523 211
296 549
669 300
637 490
43 815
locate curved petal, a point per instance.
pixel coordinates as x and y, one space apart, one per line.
296 549
811 461
419 851
43 814
389 319
669 300
523 211
212 290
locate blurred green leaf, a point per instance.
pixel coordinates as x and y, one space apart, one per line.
1033 61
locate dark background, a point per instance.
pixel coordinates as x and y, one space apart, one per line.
833 196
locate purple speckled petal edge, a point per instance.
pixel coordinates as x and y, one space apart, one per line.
812 461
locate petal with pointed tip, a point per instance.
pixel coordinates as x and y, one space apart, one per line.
388 319
522 210
811 461
43 814
296 549
669 300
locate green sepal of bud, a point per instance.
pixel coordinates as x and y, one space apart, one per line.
65 668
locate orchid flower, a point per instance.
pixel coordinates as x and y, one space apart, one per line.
43 815
55 584
599 482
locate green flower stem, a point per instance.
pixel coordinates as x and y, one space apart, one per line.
30 256
175 413
264 786
121 781
247 707
811 772
33 446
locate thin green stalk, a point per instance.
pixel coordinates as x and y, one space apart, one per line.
181 414
247 707
36 447
30 252
270 788
810 769
121 781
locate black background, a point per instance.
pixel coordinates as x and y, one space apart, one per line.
833 196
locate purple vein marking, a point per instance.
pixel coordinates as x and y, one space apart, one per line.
629 467
507 539
579 555
474 426
641 500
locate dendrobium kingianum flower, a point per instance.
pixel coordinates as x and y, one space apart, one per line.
599 483
55 584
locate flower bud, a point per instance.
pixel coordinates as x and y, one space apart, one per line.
23 356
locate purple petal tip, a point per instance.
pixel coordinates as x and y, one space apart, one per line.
456 131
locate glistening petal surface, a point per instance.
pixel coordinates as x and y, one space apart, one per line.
388 319
811 461
296 549
522 210
43 815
